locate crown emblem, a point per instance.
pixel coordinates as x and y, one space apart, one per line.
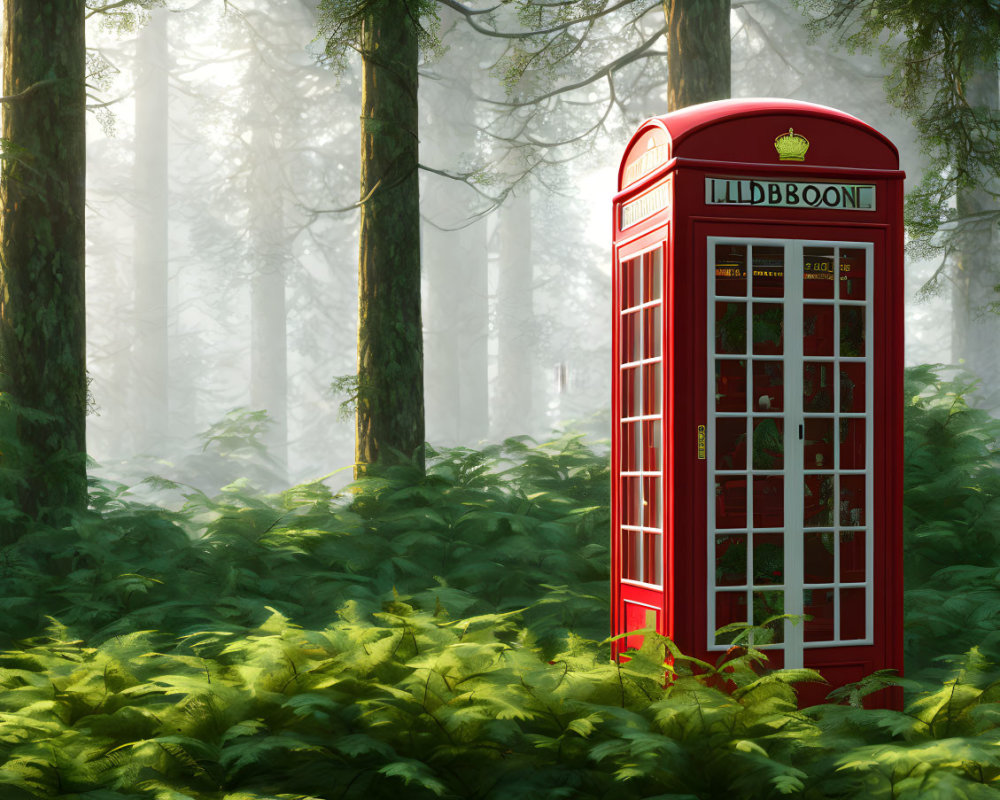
791 146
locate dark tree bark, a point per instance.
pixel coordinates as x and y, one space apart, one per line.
150 351
698 51
42 184
390 414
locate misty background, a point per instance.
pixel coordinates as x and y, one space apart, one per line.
223 163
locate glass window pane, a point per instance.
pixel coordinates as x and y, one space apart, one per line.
651 389
630 392
766 605
768 501
652 561
852 613
852 500
731 501
730 270
731 328
769 443
852 274
731 443
852 443
652 514
651 445
852 388
651 336
730 607
818 501
817 330
629 455
651 272
818 450
817 272
730 385
630 337
631 541
768 271
852 556
818 603
768 559
630 282
768 386
731 559
817 386
818 557
631 501
768 329
852 331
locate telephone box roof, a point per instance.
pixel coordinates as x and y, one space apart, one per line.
743 131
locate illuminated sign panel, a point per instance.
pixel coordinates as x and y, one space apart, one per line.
789 194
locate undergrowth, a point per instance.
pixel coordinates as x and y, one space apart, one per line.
445 637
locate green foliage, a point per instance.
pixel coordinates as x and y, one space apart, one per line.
439 636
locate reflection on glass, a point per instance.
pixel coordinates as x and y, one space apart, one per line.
730 501
768 501
651 336
852 388
730 385
767 604
768 386
817 386
651 445
818 556
817 272
852 331
630 337
818 604
768 328
852 500
852 442
852 274
730 607
852 556
631 501
818 450
651 389
651 511
630 555
652 267
731 328
630 274
629 448
630 392
731 443
731 559
652 561
768 271
852 614
817 330
818 501
730 270
768 559
768 443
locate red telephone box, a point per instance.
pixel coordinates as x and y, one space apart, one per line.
758 355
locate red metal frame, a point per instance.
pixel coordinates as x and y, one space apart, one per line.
662 198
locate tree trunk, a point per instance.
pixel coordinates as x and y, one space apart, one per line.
515 321
42 185
390 415
975 330
149 404
698 51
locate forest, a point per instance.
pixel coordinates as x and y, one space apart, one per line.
306 402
